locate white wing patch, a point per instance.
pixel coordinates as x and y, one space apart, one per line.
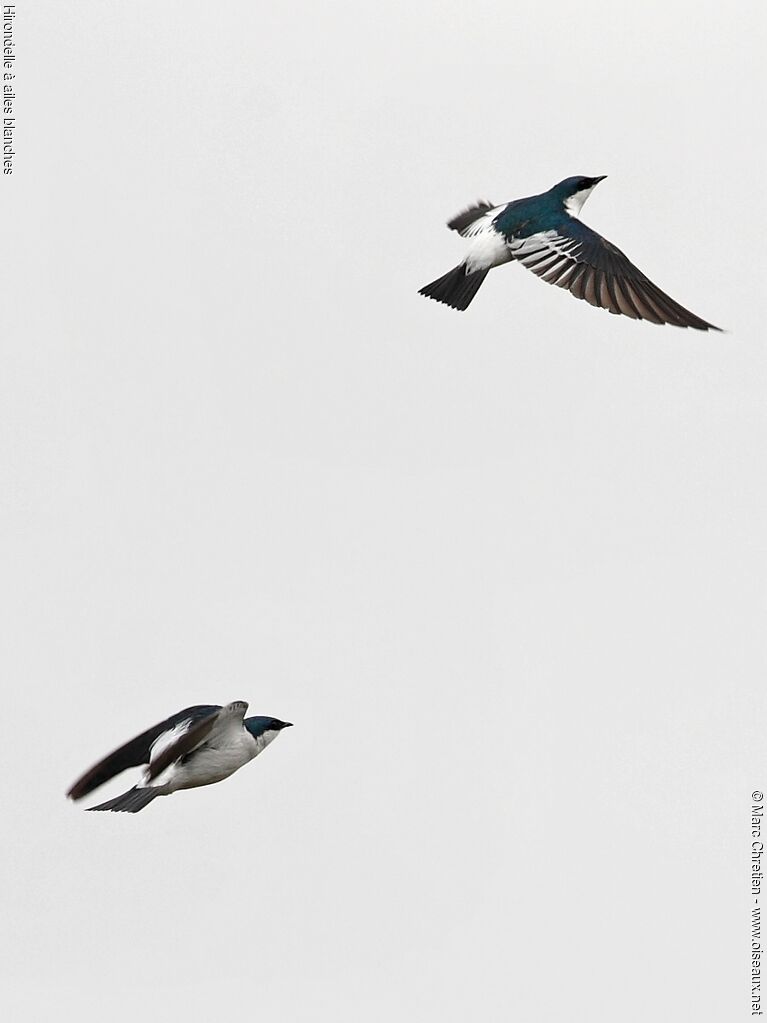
482 223
169 738
224 742
547 253
229 719
159 746
487 247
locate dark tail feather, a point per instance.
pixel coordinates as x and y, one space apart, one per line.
132 801
456 288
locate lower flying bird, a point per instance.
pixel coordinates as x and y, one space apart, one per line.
198 746
544 234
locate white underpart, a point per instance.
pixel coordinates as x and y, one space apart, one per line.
264 739
574 204
211 763
487 247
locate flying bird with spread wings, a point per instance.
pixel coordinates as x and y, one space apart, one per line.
197 746
543 233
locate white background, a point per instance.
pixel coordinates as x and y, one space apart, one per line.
504 569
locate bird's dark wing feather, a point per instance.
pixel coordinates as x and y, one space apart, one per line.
188 735
137 751
469 216
188 738
592 268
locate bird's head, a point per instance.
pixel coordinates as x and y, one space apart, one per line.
260 726
574 192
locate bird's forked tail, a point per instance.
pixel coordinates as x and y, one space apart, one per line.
132 801
457 288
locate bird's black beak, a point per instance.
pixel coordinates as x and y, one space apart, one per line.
287 724
600 178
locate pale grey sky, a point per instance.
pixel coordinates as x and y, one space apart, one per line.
505 569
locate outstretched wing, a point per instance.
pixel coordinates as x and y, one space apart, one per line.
188 736
139 750
463 221
592 268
